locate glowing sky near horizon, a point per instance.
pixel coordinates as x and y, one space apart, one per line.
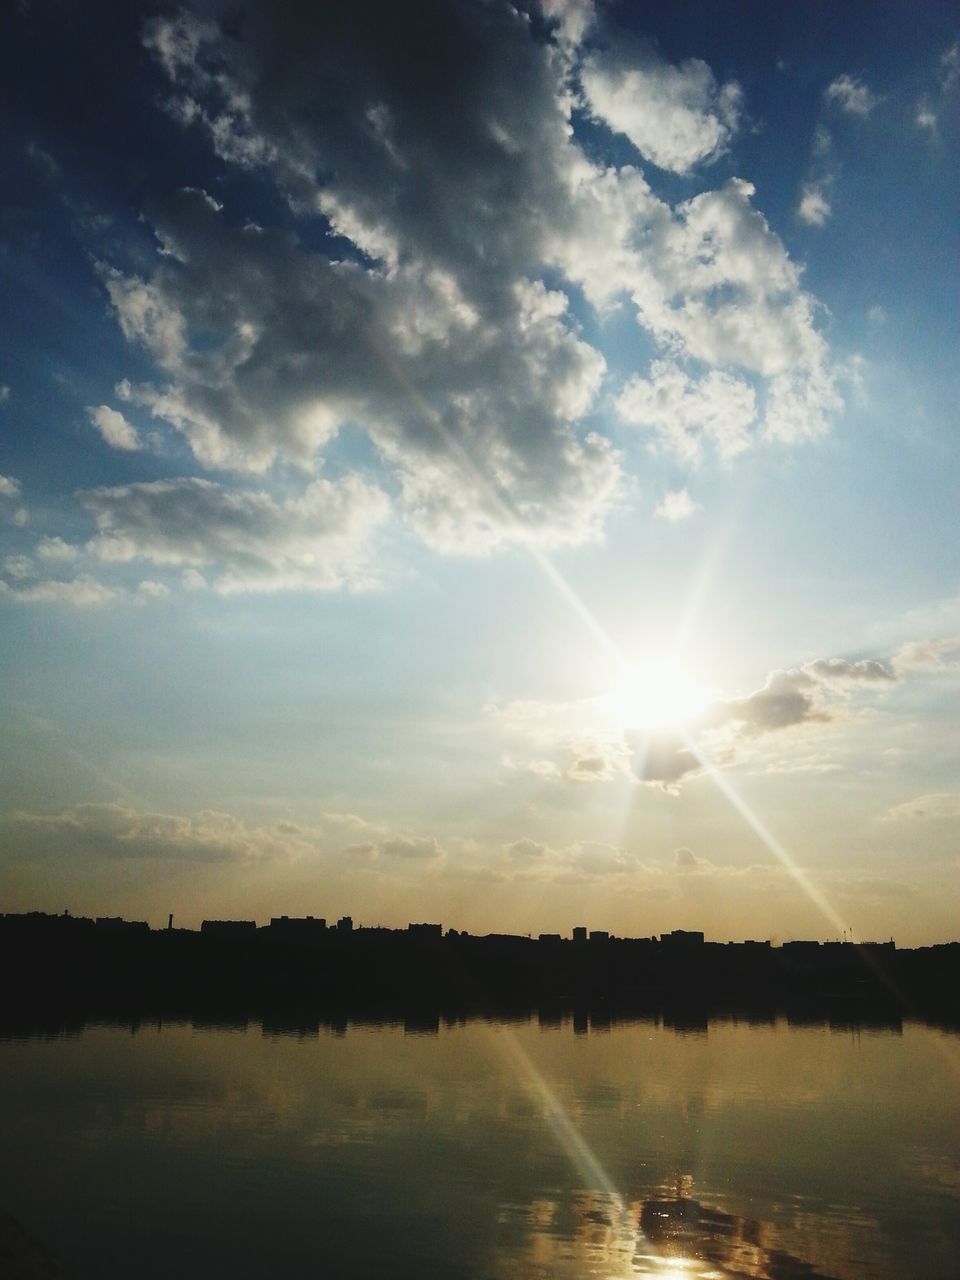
482 463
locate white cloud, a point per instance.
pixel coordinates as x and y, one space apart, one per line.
149 589
113 426
433 334
18 566
687 413
676 116
931 104
676 505
926 116
81 592
55 549
317 541
574 18
9 487
4 393
851 95
814 208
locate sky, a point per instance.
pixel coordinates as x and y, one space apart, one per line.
483 463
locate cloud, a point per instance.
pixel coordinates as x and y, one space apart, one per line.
576 742
686 862
417 848
453 186
55 549
577 863
842 669
851 95
316 541
948 76
115 429
526 849
941 654
676 505
17 566
663 759
926 116
149 589
82 592
4 393
118 831
596 759
687 414
934 806
9 487
814 208
676 116
115 831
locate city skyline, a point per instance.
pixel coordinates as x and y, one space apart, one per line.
482 462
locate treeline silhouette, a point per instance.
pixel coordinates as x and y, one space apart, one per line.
298 968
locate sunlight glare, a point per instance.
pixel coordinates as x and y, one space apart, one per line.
655 695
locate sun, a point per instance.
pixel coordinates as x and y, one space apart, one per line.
655 695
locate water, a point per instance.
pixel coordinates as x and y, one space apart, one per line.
490 1151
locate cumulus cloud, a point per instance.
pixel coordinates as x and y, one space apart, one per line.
18 566
150 589
418 848
814 208
686 414
851 95
676 116
9 487
663 759
114 428
453 185
676 505
55 549
843 669
316 541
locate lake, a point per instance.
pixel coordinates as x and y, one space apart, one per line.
484 1149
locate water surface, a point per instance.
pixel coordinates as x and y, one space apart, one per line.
488 1150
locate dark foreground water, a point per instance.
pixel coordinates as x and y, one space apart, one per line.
485 1150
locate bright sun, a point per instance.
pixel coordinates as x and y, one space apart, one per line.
655 695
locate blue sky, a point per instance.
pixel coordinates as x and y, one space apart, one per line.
482 463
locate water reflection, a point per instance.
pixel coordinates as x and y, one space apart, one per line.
592 1233
448 1150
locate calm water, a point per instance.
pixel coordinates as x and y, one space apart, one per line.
486 1151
